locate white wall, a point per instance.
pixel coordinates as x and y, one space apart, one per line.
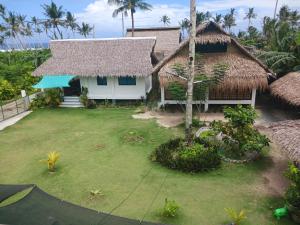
115 91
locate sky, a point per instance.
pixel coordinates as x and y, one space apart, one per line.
99 13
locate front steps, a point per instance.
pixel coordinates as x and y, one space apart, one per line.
71 102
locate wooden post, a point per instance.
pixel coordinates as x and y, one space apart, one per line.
253 97
162 96
206 101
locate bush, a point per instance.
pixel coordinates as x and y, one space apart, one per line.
170 208
88 103
177 91
293 193
50 98
7 91
176 155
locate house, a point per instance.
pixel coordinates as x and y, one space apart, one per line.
287 88
167 38
245 75
115 68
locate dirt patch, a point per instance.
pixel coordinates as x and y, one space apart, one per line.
166 119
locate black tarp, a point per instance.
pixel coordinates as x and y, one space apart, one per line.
40 208
7 190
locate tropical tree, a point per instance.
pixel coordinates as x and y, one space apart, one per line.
85 29
71 22
185 27
124 12
54 19
250 15
229 20
132 6
165 20
218 18
200 18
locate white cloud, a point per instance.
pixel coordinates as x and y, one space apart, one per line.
99 13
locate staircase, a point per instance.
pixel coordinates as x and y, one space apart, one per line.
71 102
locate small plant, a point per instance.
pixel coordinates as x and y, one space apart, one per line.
235 216
51 161
170 208
96 192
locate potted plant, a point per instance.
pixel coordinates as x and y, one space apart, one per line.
292 194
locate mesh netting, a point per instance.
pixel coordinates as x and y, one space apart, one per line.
39 208
7 190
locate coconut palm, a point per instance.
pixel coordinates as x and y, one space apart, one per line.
124 13
54 19
185 26
165 20
85 29
250 15
218 18
229 20
71 22
200 18
130 5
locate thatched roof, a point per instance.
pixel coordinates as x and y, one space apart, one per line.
287 88
287 135
167 38
245 71
99 57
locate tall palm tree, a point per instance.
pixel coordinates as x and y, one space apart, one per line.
71 22
124 13
85 29
55 19
218 18
132 6
200 17
185 26
229 20
250 15
165 20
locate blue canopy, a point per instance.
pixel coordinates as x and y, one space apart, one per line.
57 81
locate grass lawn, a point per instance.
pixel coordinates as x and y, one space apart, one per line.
97 152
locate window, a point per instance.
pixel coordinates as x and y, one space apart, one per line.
101 81
127 80
211 48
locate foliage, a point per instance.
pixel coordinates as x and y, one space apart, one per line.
293 193
197 123
50 98
175 154
96 192
170 208
38 102
235 216
88 103
240 135
177 91
7 91
51 161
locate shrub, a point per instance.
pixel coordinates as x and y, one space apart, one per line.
50 98
88 103
176 155
177 91
240 116
197 123
51 161
170 208
7 91
292 195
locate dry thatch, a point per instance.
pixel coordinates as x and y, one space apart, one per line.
287 135
167 38
245 72
99 57
287 88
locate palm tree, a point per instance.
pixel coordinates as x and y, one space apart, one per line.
165 20
132 6
218 18
71 22
85 29
229 20
185 26
55 19
250 15
200 18
124 12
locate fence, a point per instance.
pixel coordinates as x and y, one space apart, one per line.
14 107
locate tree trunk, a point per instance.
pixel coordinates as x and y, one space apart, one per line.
275 9
190 79
123 32
132 23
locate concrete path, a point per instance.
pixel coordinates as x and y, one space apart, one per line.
13 120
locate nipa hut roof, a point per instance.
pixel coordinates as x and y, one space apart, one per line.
287 88
244 72
99 57
287 135
167 38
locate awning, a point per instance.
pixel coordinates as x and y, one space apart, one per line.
57 81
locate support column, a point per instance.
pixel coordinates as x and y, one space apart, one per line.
253 97
206 101
162 96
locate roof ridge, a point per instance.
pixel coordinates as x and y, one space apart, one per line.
105 39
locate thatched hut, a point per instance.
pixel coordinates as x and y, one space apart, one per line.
287 88
245 74
287 135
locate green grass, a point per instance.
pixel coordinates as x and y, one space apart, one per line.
98 153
